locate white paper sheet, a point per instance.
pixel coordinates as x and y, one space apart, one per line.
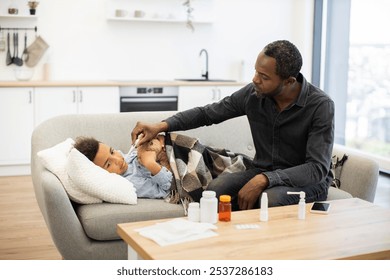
177 231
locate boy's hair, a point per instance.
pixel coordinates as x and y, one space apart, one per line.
88 146
287 56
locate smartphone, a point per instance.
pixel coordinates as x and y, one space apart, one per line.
320 207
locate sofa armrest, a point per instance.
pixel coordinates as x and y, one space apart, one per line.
61 219
359 175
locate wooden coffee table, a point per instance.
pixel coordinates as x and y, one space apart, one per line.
354 229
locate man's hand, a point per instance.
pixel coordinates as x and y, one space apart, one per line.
149 130
250 192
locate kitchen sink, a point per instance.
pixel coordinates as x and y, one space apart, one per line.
204 80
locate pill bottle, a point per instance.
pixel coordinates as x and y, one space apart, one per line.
224 208
209 207
193 212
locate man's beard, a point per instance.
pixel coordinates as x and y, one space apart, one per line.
272 93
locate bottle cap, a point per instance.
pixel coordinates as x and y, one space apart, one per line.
209 194
193 205
225 198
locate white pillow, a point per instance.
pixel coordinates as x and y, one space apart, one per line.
98 182
54 159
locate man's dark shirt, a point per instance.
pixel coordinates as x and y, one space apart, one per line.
293 146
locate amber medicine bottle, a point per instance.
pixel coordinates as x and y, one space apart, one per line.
224 208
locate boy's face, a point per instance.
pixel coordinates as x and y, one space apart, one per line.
110 159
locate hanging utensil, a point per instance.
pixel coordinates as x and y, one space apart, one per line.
8 60
17 60
2 41
25 52
13 41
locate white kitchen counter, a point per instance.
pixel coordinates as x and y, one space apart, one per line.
114 83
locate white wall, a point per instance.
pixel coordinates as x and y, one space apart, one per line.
84 45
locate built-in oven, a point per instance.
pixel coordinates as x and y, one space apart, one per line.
136 99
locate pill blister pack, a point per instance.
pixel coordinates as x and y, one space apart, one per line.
247 226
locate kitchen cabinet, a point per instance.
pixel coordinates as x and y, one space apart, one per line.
55 101
51 102
98 100
16 125
194 96
23 108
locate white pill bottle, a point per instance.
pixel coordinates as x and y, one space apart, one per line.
209 207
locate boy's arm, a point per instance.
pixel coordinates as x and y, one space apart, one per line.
149 160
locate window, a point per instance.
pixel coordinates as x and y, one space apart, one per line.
353 67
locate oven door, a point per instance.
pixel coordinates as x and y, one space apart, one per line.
140 104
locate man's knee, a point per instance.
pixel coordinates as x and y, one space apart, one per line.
212 185
216 185
223 185
279 197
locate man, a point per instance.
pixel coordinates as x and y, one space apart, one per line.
292 125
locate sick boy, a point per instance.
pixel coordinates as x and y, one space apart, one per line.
146 167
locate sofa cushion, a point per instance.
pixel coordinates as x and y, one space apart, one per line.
335 193
99 220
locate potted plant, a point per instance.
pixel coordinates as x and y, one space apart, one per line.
33 6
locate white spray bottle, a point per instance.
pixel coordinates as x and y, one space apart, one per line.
264 207
301 204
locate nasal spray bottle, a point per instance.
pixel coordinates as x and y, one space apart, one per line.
301 204
264 207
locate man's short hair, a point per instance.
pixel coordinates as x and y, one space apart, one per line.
287 56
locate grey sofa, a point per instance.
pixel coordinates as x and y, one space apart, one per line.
89 231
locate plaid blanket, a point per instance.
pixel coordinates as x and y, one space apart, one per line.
337 167
194 165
